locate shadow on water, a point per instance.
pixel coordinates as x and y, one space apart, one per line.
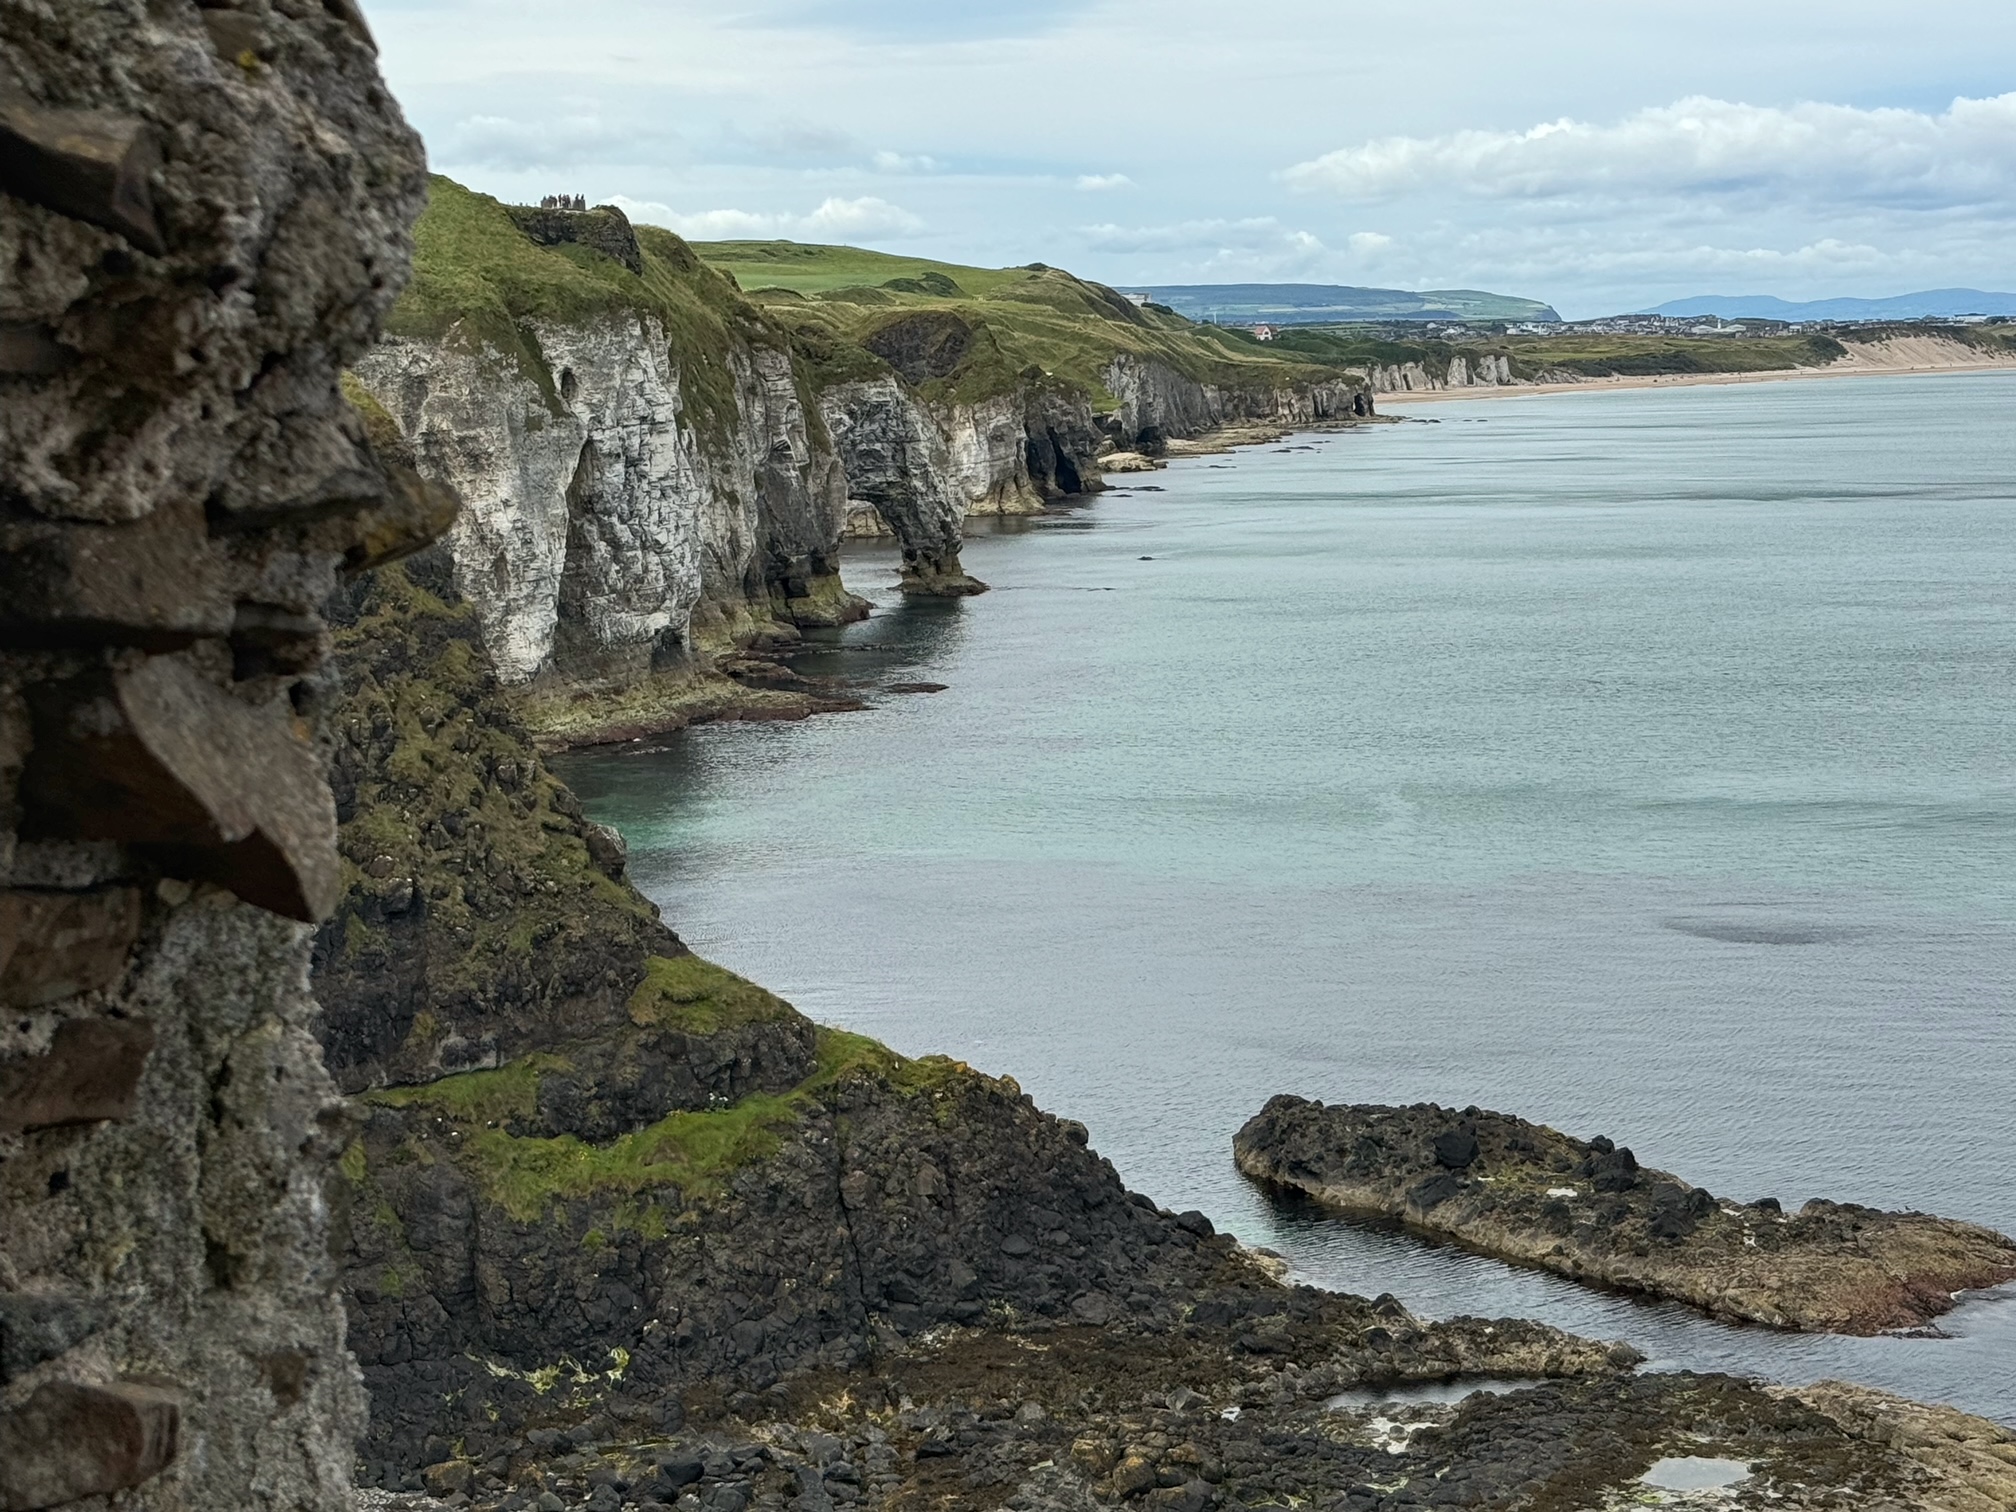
903 634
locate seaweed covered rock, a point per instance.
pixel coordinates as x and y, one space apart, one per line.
1589 1211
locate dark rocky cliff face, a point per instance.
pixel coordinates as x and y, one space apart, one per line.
586 1150
203 214
484 916
667 1244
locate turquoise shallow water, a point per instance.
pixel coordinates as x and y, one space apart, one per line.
1637 761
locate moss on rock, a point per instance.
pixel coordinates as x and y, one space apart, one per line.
698 997
691 1153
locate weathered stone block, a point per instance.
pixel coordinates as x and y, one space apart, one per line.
91 165
31 350
54 945
157 757
38 1326
156 583
69 1441
413 512
89 1074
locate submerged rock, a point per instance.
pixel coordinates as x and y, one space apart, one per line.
1589 1211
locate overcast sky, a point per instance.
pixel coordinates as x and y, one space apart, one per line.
1599 154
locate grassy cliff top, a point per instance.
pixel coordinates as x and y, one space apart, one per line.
1025 323
806 268
479 279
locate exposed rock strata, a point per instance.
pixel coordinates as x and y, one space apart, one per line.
1459 370
899 459
1588 1211
203 215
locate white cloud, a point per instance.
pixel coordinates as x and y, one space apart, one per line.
1365 243
1706 148
1095 182
866 216
1188 236
562 141
755 113
1203 250
832 218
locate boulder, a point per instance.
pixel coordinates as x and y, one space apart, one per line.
70 1440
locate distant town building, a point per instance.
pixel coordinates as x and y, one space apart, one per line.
1263 333
1135 299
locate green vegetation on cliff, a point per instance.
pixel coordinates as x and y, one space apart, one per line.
809 268
474 893
479 277
693 1152
698 997
1014 325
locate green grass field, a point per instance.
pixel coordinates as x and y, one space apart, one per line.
804 268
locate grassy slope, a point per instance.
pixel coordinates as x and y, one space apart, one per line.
694 1152
806 268
1037 317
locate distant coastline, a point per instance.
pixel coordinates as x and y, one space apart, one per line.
1849 368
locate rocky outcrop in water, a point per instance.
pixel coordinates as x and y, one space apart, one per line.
203 214
1588 1211
899 460
1158 404
926 458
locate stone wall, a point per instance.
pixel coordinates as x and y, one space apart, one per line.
203 214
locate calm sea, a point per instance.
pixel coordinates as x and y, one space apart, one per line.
1642 762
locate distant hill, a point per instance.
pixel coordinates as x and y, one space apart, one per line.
1315 304
990 324
1931 303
